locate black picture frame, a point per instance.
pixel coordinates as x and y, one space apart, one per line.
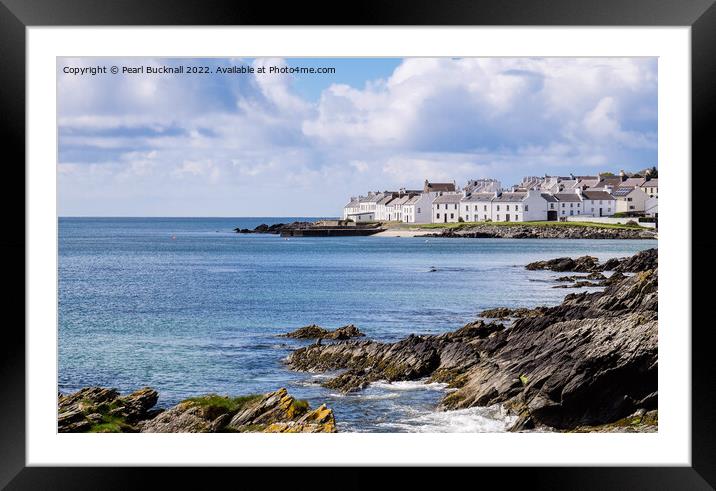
17 15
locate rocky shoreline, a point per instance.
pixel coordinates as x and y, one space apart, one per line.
561 231
591 361
101 410
588 364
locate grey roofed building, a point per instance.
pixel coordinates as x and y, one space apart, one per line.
478 197
622 191
372 197
594 194
438 187
353 203
413 200
568 197
385 199
651 183
448 198
399 201
633 181
549 198
510 197
614 182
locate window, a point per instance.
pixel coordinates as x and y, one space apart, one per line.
498 218
498 207
551 206
629 199
475 207
507 207
600 201
485 217
563 205
571 212
485 209
571 205
456 207
527 208
452 215
467 217
418 210
438 215
517 218
631 207
467 208
592 210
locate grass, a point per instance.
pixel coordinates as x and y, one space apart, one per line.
223 404
545 224
110 424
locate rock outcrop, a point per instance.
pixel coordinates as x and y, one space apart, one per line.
96 409
642 261
590 361
317 332
276 228
442 357
557 231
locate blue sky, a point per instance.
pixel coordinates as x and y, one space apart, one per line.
301 145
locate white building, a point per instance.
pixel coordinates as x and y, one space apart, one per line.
477 207
446 208
362 216
569 204
651 207
597 203
417 209
529 206
381 210
351 208
630 199
651 187
394 208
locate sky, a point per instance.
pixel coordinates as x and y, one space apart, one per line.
278 144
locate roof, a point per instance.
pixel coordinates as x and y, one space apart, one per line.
622 191
590 182
374 198
568 197
651 183
549 197
591 194
479 197
510 197
353 204
413 200
448 198
385 199
615 181
399 201
439 186
633 181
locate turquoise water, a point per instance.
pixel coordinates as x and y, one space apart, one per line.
186 306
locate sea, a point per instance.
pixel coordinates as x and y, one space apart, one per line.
188 307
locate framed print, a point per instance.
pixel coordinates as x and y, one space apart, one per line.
427 238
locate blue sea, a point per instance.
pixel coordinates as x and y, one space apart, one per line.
189 307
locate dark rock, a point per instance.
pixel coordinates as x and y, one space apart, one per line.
445 356
276 228
588 361
317 332
102 409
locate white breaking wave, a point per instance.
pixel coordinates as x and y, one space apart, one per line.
409 385
491 419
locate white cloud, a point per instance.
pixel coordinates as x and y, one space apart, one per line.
440 119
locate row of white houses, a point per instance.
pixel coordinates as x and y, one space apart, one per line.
481 200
